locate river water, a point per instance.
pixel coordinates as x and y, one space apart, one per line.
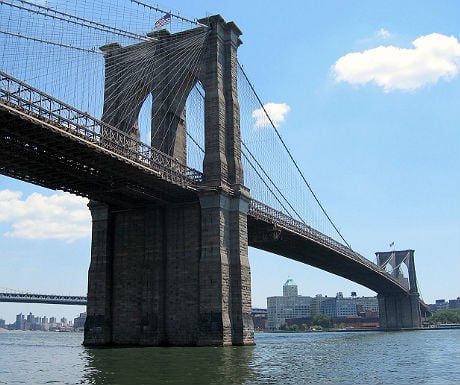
410 357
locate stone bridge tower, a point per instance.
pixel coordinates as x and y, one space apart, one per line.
400 311
174 272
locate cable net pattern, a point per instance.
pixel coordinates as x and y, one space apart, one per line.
55 46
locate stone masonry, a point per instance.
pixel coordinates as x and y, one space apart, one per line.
176 273
400 311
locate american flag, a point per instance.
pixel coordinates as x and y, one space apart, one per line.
165 19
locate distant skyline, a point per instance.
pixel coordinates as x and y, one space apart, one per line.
69 309
365 95
41 311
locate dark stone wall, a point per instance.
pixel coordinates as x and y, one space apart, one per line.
153 296
176 274
398 312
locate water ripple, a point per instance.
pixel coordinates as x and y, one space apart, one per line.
419 357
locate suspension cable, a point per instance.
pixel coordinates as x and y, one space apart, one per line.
271 181
62 45
257 172
73 19
290 155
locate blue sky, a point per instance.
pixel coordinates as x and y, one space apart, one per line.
372 90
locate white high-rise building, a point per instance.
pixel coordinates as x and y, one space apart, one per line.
288 306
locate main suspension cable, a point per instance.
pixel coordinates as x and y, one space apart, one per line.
290 155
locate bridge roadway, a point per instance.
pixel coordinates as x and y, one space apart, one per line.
43 298
51 144
68 300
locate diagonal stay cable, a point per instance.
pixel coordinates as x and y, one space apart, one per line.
265 182
271 181
291 157
257 172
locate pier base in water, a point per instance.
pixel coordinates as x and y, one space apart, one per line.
170 275
399 312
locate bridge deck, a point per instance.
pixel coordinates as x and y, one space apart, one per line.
48 146
43 142
43 298
277 233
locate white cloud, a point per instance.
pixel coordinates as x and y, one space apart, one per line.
383 33
433 57
59 216
276 111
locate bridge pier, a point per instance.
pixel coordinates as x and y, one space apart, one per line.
176 273
142 281
170 275
225 281
399 312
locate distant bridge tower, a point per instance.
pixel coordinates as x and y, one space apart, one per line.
175 272
400 311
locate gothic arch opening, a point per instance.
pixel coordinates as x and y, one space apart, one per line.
403 274
195 118
145 120
389 268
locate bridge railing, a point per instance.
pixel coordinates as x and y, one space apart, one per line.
64 117
268 214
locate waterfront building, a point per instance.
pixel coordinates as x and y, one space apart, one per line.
259 318
288 306
79 322
454 303
315 307
20 323
345 307
442 304
30 319
290 289
328 306
367 305
340 306
292 306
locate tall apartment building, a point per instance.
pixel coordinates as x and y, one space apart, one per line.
288 306
20 322
79 322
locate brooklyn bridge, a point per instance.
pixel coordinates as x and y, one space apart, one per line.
179 189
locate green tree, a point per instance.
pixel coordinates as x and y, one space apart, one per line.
445 317
322 320
284 326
